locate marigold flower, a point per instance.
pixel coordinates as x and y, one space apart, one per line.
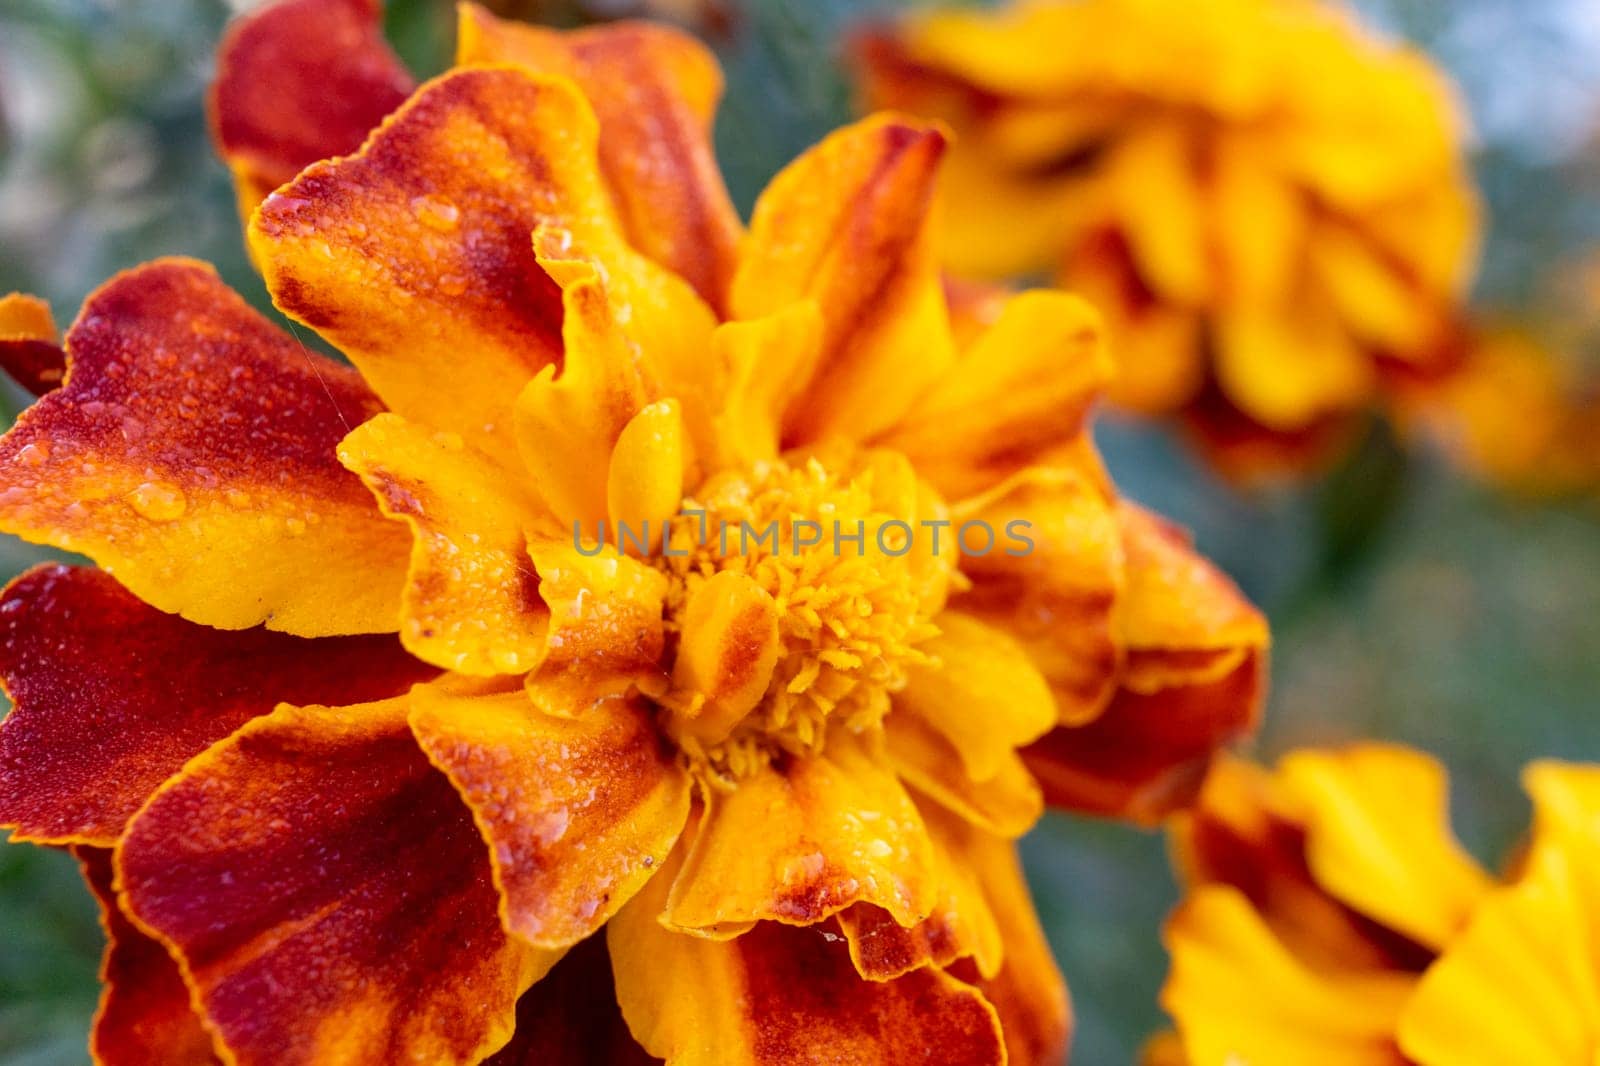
1269 203
1331 917
1519 415
377 726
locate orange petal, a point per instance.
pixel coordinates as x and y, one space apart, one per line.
415 255
981 692
783 994
1244 831
579 811
655 92
644 483
144 1014
1057 597
605 625
298 81
727 648
847 225
471 602
628 342
570 1017
1028 991
112 696
1147 754
1024 384
30 347
770 361
800 841
328 895
1175 599
962 925
1239 996
1008 803
1378 837
191 453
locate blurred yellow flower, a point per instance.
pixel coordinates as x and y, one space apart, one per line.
1268 201
1520 415
1331 918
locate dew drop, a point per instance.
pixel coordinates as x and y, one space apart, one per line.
34 454
158 501
436 212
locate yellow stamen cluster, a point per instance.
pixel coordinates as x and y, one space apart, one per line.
850 614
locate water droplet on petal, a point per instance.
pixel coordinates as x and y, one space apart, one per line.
436 212
158 501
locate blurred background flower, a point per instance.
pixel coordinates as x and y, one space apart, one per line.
1410 601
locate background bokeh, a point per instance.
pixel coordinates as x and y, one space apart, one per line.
1408 601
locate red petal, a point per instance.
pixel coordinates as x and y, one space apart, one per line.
144 1014
579 811
655 91
298 81
329 895
192 453
1148 753
113 697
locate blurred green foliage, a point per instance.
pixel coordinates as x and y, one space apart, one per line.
1407 603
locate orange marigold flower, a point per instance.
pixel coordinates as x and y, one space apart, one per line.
1269 203
415 678
1519 414
1331 917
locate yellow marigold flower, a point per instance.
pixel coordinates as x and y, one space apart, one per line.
1332 918
430 717
1268 202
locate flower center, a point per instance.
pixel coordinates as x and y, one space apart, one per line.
836 585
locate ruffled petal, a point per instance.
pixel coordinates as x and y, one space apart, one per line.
1245 831
471 602
848 226
962 925
191 453
655 92
328 895
415 256
112 696
1148 753
1191 682
629 342
1177 601
1512 987
606 633
570 1017
30 347
1378 837
1026 383
981 692
1058 592
784 994
770 360
1521 983
298 81
1239 996
579 811
1008 803
145 1015
802 839
1028 991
